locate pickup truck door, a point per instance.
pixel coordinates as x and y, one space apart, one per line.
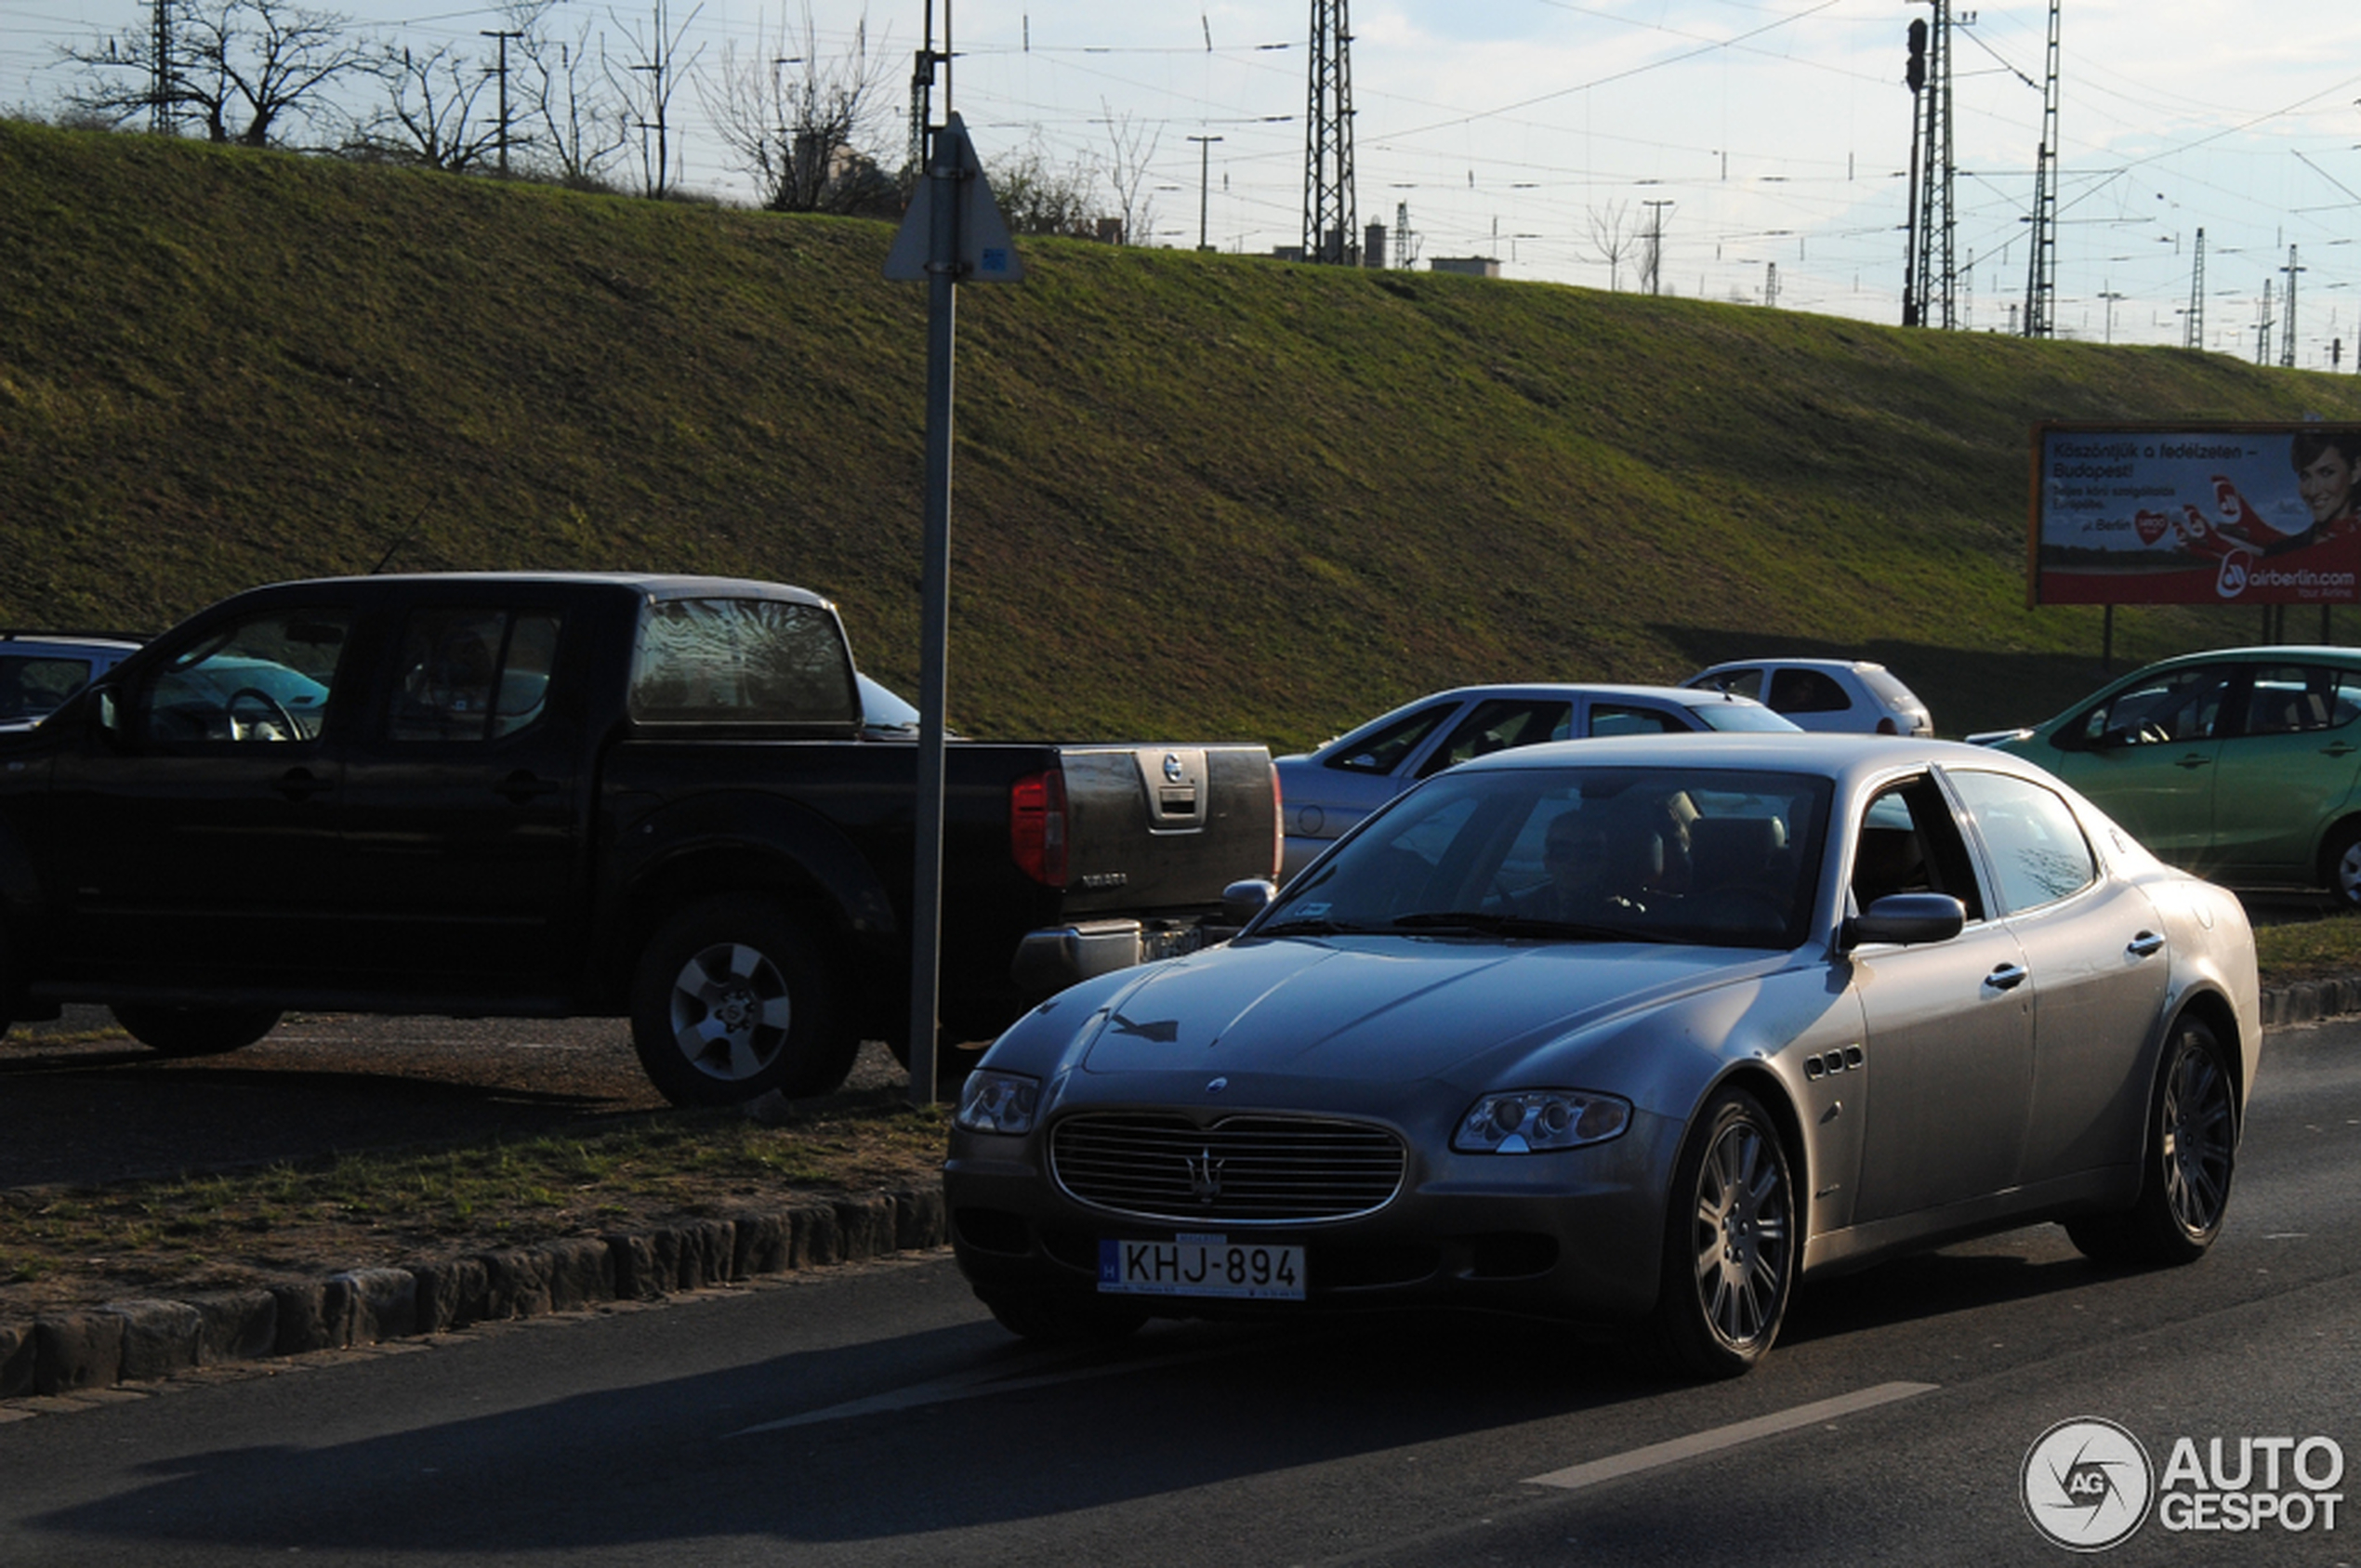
196 836
464 805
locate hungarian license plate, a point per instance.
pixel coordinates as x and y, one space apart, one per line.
1202 1265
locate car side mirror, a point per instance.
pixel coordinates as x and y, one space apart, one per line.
1241 902
1908 917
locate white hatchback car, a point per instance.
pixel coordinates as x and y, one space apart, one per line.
1825 694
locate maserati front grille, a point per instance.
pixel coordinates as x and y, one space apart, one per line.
1267 1169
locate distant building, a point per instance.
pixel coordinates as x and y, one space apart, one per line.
1467 266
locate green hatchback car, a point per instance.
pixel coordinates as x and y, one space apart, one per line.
2243 765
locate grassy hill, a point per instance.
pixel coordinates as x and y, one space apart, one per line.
1195 495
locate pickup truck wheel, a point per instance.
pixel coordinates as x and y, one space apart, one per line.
169 1031
730 1003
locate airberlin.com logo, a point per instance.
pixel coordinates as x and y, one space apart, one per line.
2087 1484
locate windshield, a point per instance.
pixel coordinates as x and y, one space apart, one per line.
1578 854
1736 717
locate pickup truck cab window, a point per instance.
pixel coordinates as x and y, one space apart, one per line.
261 679
740 661
472 674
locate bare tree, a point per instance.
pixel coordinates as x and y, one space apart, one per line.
246 67
1037 197
1133 148
580 126
649 75
1613 237
432 117
802 125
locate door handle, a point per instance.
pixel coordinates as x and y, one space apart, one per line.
2196 760
523 785
2145 943
2008 977
2340 749
301 784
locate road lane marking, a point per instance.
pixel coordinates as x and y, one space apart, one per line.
1616 1465
976 1385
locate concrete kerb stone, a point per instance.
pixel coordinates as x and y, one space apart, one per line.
143 1340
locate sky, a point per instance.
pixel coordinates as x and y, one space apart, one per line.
1771 141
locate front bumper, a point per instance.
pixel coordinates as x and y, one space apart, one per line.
1574 1235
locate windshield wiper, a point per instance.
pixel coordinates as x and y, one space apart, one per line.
1315 926
1513 926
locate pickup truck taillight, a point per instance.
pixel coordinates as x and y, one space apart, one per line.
1278 825
1037 826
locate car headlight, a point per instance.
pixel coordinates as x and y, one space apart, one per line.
1003 1103
1530 1121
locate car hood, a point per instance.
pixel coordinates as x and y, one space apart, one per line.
1379 1009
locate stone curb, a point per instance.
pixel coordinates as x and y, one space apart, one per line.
2307 1001
141 1341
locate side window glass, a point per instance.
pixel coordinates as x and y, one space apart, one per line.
262 679
1616 719
1909 842
1385 751
32 688
1496 725
1806 691
2181 706
470 674
1738 684
740 660
2346 703
2036 846
2290 699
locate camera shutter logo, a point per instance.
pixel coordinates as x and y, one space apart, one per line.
2086 1485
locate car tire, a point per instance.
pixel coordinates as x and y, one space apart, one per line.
1732 1239
170 1031
2341 867
2188 1156
729 1001
1066 1318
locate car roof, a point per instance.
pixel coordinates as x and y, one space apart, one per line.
1687 696
656 585
2271 652
75 642
1837 755
1790 663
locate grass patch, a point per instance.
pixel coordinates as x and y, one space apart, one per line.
2303 950
216 1230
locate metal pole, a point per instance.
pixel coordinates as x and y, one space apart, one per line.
1205 177
934 591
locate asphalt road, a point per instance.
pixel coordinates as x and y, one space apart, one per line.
876 1415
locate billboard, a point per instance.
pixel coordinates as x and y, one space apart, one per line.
2196 514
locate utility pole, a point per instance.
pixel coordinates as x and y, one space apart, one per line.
2262 328
2111 296
1331 224
501 70
1930 277
1402 248
163 90
2193 334
922 85
2041 273
1914 76
1205 175
1771 284
2286 341
1655 244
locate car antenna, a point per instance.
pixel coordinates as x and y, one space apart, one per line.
407 534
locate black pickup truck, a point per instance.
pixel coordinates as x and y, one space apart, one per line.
551 794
